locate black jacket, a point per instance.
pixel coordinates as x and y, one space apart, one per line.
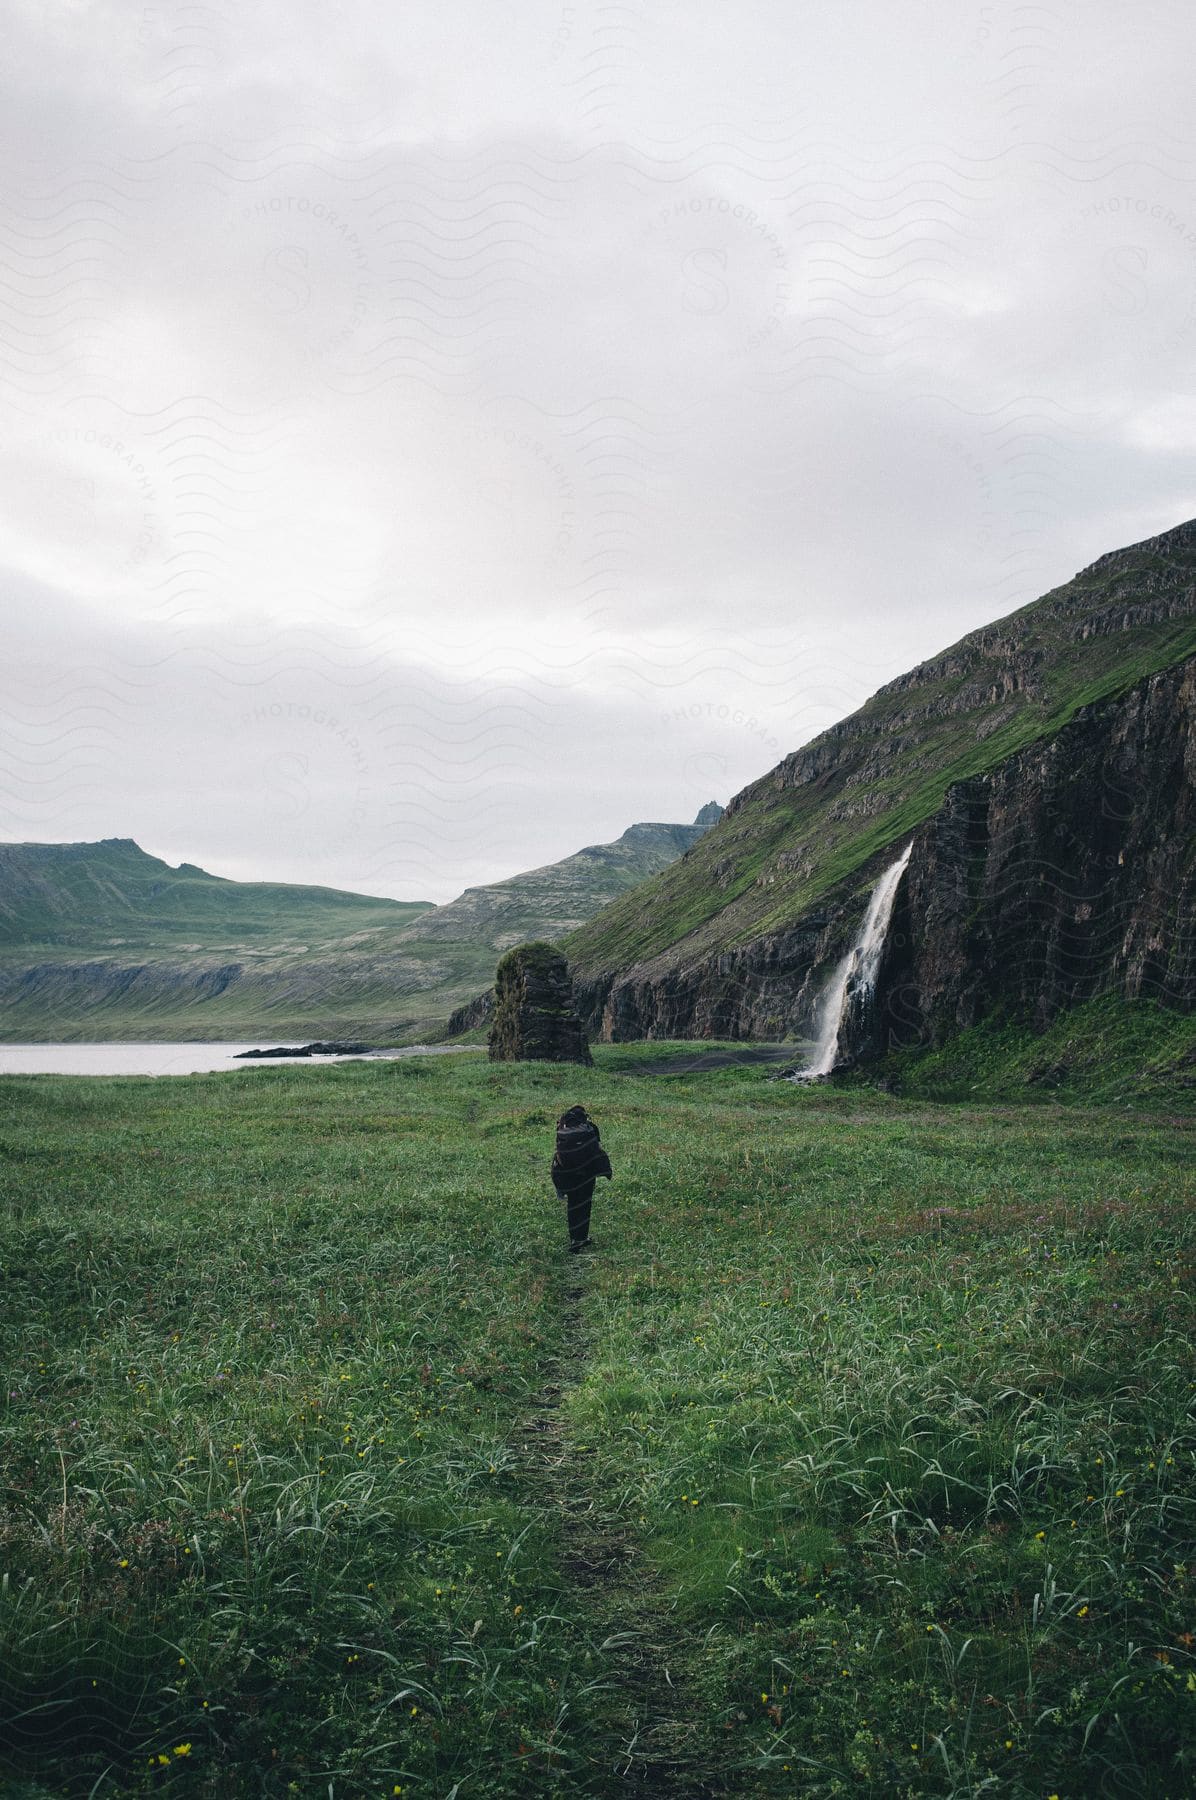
579 1158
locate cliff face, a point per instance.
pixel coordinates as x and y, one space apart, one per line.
1067 870
767 989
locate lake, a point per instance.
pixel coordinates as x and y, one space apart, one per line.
172 1059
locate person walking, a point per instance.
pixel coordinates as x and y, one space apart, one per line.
577 1162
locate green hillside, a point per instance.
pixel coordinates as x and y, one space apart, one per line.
822 813
547 902
102 941
112 895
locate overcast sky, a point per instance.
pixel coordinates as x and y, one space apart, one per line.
432 439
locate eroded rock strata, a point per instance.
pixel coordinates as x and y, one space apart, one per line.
533 1018
1067 872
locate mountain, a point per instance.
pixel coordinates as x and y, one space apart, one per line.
112 894
104 941
1017 762
553 900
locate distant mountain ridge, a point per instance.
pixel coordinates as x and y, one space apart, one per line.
100 940
549 901
82 894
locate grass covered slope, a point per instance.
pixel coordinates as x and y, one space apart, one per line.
102 941
787 840
549 901
860 1458
113 896
1115 1052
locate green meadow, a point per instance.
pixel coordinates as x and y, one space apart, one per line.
858 1458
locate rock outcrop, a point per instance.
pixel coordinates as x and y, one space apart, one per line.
534 1019
473 1015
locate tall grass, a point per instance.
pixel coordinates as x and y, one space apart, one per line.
886 1408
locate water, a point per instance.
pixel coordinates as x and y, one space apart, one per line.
856 973
171 1059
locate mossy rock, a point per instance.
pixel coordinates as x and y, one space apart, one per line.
534 1019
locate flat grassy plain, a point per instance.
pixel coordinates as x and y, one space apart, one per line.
858 1459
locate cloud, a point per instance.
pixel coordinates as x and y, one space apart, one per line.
579 411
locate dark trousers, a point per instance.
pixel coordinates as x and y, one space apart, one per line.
579 1203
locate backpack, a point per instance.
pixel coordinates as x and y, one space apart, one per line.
579 1157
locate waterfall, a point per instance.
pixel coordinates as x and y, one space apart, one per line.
856 973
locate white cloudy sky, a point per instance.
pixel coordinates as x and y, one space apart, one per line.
432 438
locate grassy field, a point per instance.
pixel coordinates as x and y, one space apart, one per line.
858 1459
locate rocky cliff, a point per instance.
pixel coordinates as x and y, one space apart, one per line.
1067 872
1042 768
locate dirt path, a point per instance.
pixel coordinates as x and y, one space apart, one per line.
614 1597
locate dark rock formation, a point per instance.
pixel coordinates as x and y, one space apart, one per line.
473 1015
766 989
1066 871
534 1018
335 1047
